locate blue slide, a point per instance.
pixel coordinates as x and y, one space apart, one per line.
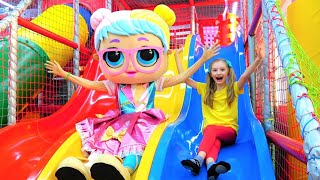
249 156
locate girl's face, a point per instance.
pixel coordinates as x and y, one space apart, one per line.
132 59
219 72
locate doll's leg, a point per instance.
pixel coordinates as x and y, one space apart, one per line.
109 166
72 168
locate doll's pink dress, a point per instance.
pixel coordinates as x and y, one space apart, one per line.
126 130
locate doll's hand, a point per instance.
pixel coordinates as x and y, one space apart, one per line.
210 52
177 58
54 68
178 51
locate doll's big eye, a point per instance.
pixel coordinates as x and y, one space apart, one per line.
114 59
147 57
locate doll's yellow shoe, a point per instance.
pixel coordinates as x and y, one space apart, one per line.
109 167
72 168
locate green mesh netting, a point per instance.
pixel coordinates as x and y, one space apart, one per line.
310 71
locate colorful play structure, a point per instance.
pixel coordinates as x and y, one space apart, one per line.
278 114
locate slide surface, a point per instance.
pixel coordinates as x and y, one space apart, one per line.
249 156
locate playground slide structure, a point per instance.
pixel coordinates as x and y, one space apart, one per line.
249 156
35 148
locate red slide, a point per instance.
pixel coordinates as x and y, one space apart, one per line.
26 147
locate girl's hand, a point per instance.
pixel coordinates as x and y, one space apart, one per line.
260 52
211 51
54 68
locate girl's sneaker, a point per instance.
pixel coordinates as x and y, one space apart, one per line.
192 164
216 169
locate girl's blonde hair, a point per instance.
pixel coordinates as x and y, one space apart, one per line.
212 86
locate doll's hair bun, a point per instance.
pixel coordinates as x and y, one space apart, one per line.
98 16
166 14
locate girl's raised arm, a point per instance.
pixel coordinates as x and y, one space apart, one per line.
56 69
246 75
208 54
189 81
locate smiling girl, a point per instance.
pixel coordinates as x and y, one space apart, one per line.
220 112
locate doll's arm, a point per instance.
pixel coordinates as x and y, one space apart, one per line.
56 69
246 75
189 81
208 54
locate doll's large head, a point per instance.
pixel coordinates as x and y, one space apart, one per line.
133 45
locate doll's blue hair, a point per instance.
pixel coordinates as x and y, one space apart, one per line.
127 27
